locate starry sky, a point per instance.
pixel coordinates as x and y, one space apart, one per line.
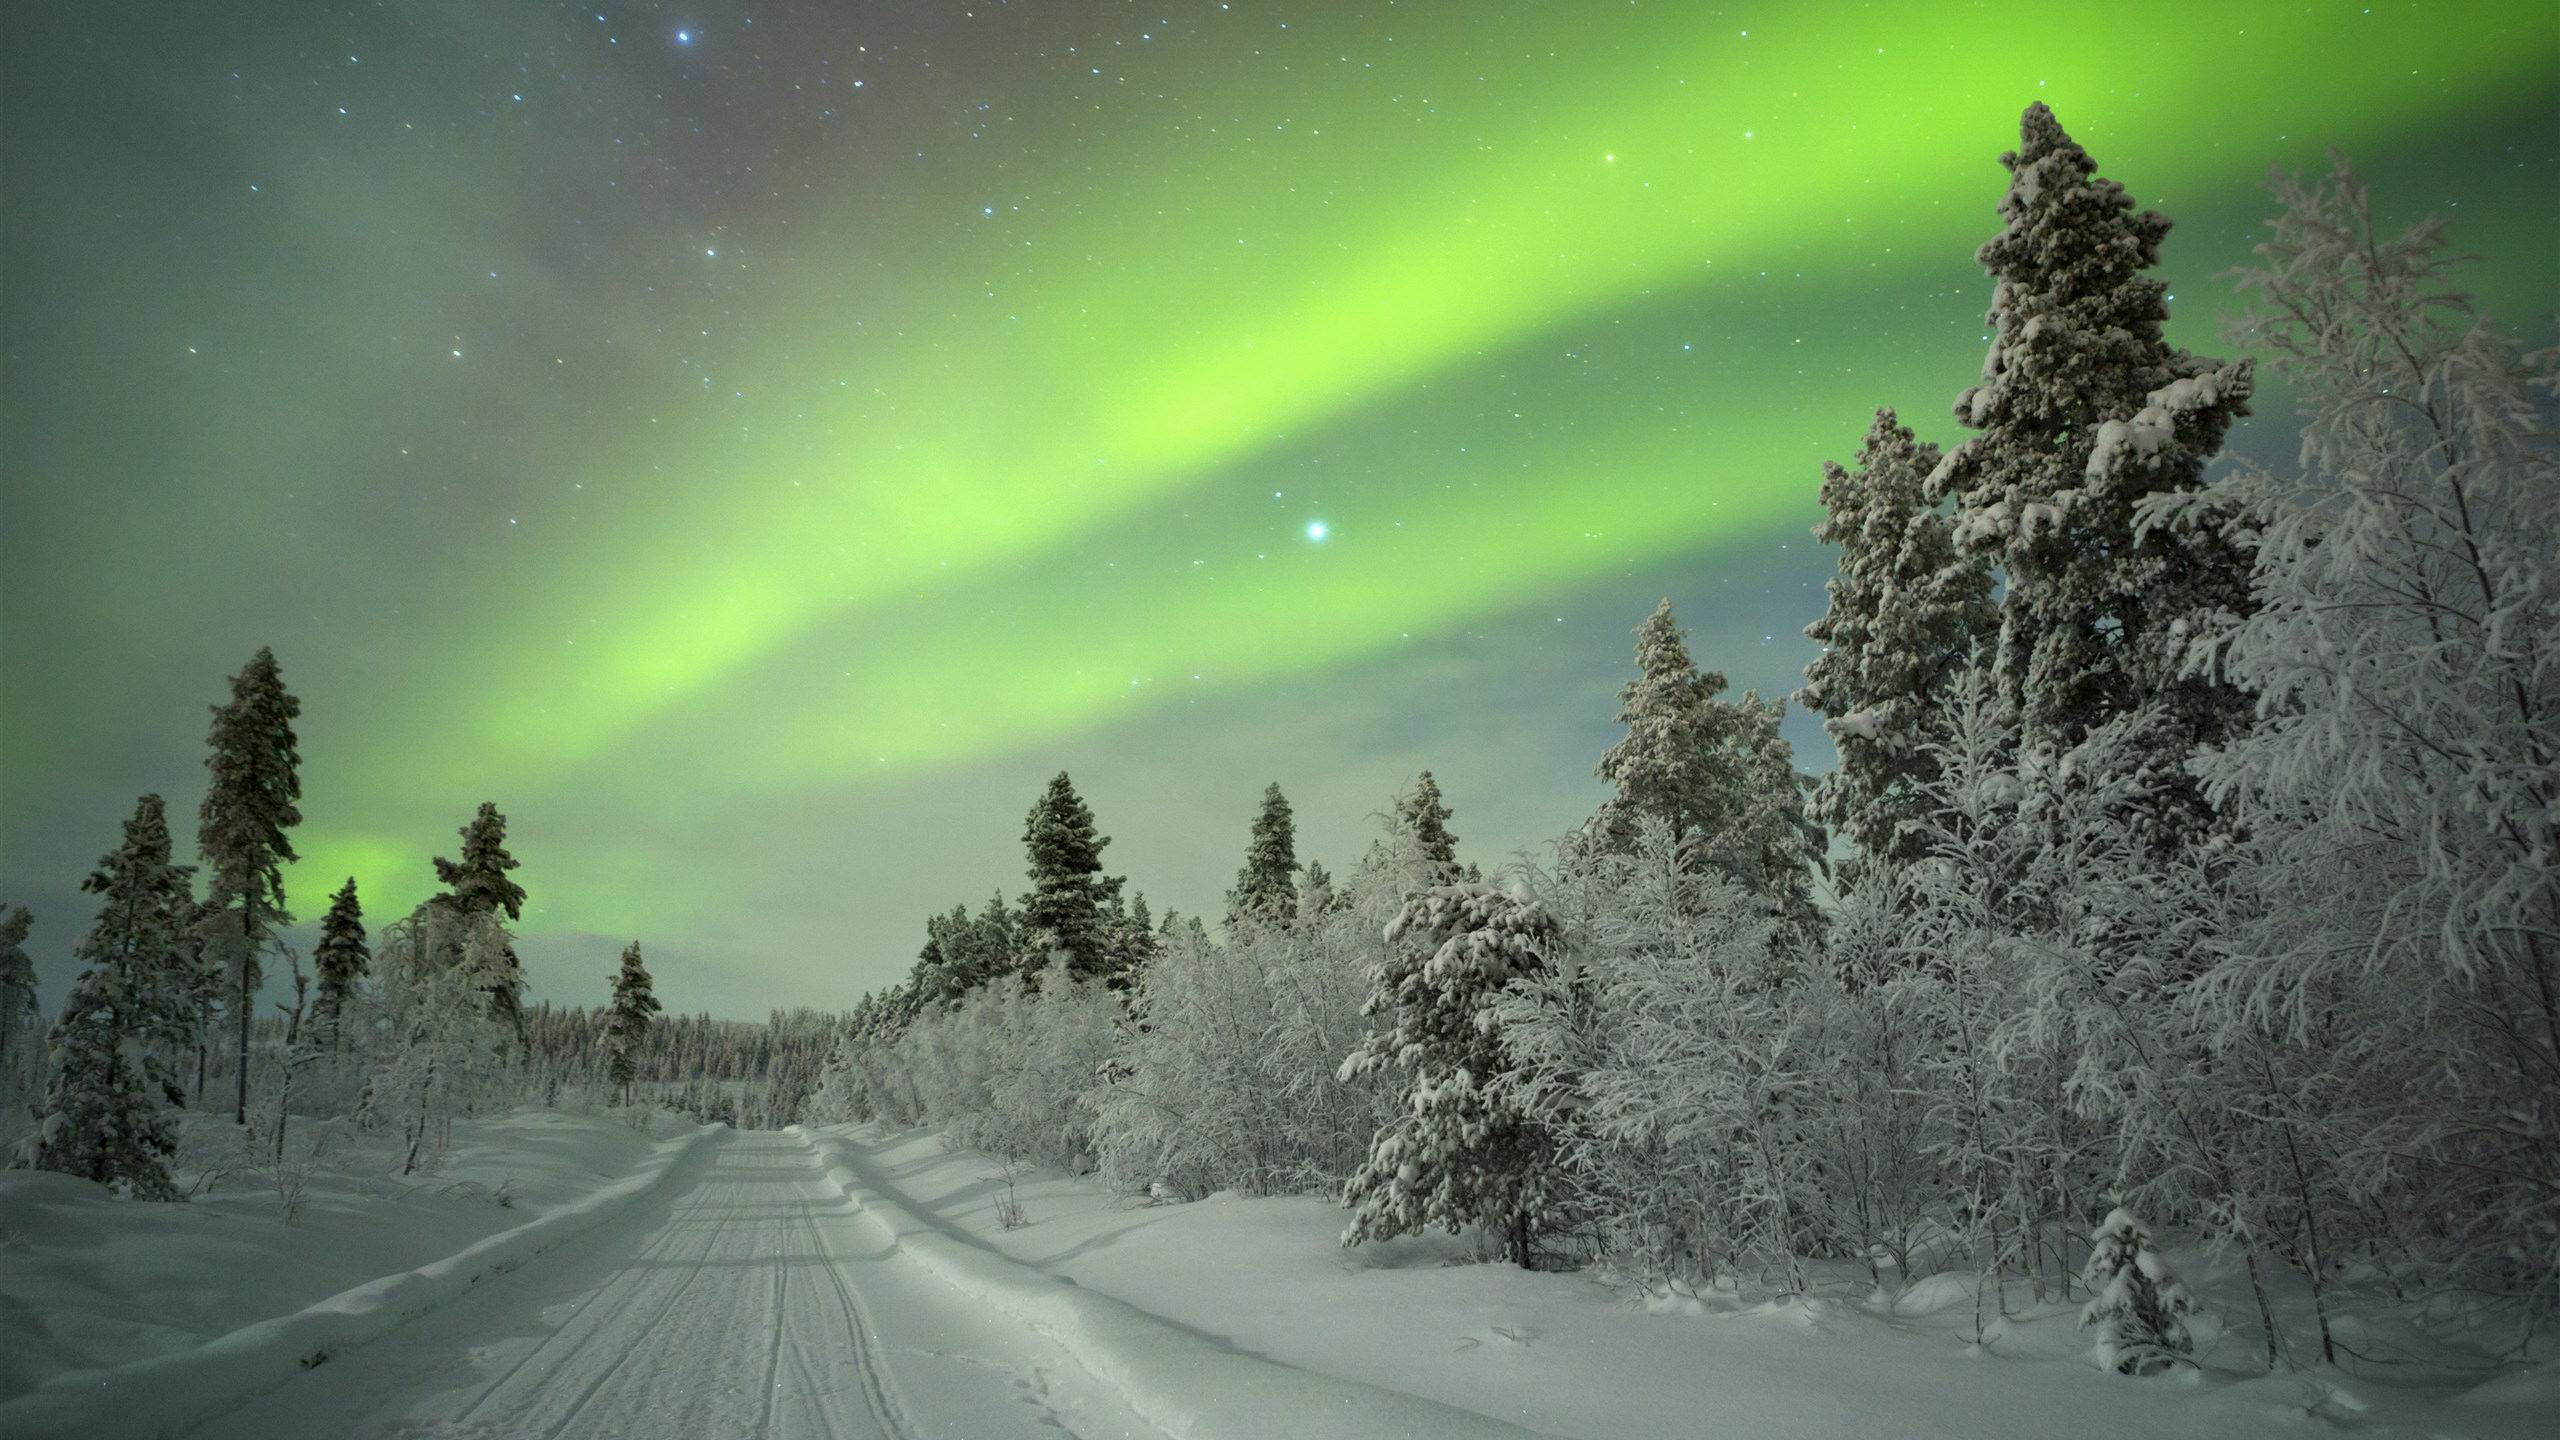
757 444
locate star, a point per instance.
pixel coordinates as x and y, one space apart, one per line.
1317 530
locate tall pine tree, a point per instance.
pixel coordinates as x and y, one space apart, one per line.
1266 889
477 885
144 938
2085 409
627 1023
1905 613
18 1012
240 830
1315 894
1134 942
1422 816
131 1011
1715 768
1063 912
341 957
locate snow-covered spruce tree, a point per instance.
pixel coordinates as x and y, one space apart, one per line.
1133 942
1718 768
141 937
1466 1151
940 973
98 1119
2403 779
2137 1306
2085 410
992 947
1063 912
18 1014
341 957
1266 889
1316 897
627 1022
1905 612
250 802
1421 814
478 887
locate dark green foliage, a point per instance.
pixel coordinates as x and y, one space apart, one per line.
145 937
1064 910
17 982
1266 888
635 1000
478 884
1426 820
249 804
1905 613
1713 768
2084 410
341 957
1466 1151
98 1120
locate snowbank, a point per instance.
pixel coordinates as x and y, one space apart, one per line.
163 1394
1191 1384
1264 1280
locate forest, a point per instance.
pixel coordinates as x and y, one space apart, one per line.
2190 867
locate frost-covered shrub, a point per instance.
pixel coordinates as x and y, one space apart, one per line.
2138 1308
1664 1061
1229 1080
431 1049
2400 922
1007 1070
1043 1050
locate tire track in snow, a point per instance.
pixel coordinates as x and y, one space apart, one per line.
664 1241
878 1389
595 1385
781 1326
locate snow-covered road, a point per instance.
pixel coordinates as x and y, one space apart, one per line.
739 1300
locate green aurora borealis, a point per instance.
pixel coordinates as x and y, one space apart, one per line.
756 445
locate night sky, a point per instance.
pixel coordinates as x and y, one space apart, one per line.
756 445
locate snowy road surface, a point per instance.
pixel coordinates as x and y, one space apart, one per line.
739 1300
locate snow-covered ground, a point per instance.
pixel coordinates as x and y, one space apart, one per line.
1565 1355
846 1283
87 1281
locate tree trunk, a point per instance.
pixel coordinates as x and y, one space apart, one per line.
240 1114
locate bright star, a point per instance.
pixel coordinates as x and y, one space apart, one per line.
684 37
1316 530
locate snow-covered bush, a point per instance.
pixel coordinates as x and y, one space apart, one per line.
2138 1308
1663 1061
1009 1069
1229 1080
431 1049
